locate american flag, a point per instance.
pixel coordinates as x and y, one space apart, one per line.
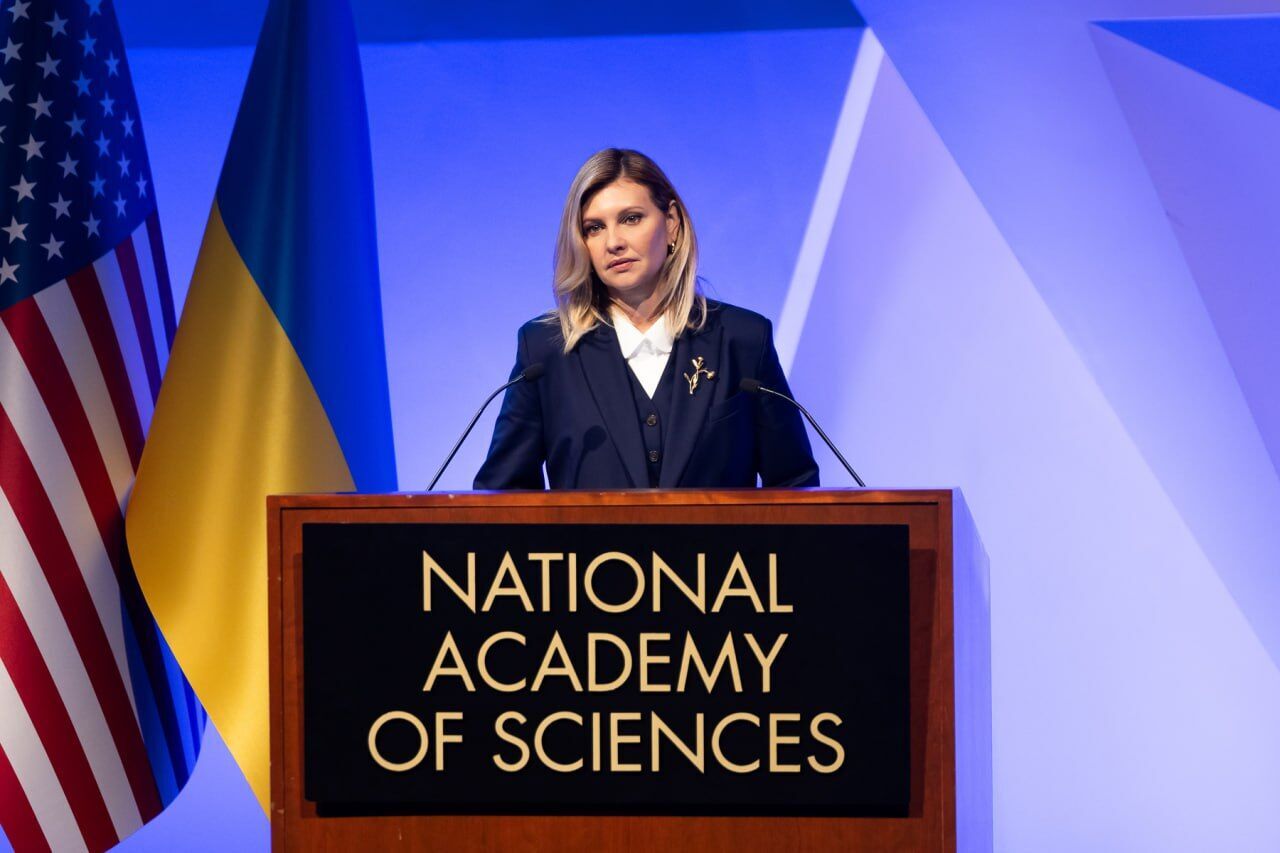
98 729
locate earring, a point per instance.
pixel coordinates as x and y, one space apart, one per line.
671 248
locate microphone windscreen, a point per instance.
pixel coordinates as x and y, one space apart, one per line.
751 386
534 372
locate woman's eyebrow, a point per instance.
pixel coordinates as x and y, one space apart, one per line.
626 211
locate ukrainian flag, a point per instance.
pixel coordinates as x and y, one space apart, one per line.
277 381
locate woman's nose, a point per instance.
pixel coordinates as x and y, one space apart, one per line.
613 240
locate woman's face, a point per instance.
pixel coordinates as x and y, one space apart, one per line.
627 236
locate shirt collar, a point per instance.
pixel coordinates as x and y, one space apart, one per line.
632 340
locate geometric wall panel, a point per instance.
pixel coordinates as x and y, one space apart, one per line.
1242 52
1124 674
1211 152
1019 96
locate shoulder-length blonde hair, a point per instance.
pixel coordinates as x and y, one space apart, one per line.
581 298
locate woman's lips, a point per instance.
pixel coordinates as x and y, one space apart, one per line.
619 266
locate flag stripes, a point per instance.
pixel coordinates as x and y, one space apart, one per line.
21 658
72 339
111 282
127 260
37 492
16 815
51 474
161 267
86 293
36 603
27 326
38 523
141 250
44 796
34 342
98 729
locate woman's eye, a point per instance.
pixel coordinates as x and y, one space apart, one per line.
590 229
632 218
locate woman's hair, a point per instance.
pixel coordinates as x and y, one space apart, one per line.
581 298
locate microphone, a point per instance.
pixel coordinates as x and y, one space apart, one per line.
532 373
753 386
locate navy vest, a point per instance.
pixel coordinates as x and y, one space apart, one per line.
653 416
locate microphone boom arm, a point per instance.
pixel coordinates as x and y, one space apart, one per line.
753 386
531 373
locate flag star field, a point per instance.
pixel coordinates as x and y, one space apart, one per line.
77 181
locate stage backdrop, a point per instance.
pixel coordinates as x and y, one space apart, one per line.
1016 248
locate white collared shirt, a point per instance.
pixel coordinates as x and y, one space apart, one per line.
646 352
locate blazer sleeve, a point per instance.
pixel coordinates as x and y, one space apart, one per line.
516 452
783 455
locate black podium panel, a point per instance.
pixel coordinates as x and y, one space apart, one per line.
682 669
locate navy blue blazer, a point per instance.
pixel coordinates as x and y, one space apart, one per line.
580 418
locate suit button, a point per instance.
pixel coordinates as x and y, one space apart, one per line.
652 420
653 456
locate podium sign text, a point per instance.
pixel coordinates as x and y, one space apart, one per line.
661 669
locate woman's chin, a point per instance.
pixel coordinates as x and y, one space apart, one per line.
626 282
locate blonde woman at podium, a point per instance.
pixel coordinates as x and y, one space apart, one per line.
633 381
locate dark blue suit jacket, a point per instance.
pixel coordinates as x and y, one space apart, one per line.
580 418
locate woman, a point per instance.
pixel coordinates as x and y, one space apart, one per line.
641 371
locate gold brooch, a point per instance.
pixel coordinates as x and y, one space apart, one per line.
698 372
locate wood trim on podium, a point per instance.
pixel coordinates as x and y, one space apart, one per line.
944 720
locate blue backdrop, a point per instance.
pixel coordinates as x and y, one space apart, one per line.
1026 249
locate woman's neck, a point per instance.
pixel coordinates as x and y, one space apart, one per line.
640 309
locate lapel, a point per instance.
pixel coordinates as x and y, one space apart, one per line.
606 374
688 411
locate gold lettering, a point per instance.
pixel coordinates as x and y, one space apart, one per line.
449 649
766 663
430 567
647 660
614 640
747 590
573 583
500 728
616 739
591 572
595 741
482 662
507 569
556 649
727 655
542 753
776 740
696 757
546 560
698 598
443 737
774 605
402 766
817 734
719 754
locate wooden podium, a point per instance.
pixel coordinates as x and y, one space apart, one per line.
947 800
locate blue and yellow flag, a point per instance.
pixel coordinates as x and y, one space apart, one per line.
277 381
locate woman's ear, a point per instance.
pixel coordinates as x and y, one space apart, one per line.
673 221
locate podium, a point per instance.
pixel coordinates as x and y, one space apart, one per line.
680 670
